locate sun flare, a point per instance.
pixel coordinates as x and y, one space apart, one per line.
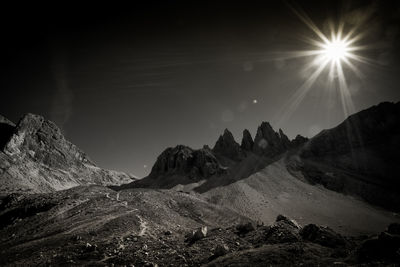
335 50
333 55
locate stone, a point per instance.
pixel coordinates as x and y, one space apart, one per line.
323 236
245 228
282 218
168 232
197 234
221 250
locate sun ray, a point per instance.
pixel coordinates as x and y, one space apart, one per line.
336 51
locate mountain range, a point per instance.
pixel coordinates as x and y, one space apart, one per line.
342 182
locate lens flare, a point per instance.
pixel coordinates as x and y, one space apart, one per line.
336 53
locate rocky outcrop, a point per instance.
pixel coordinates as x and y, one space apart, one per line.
36 157
227 146
187 161
323 236
43 141
247 141
268 142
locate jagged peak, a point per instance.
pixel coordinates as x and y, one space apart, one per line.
227 146
247 140
42 140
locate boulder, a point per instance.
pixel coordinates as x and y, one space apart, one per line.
323 236
197 234
245 228
282 218
384 247
282 231
221 250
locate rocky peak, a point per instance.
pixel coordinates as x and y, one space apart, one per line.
227 146
43 141
185 160
268 142
247 141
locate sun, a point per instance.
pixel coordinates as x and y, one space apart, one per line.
335 50
332 56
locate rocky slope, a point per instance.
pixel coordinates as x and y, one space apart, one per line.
358 157
36 157
100 227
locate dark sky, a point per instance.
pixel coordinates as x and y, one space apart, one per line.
125 82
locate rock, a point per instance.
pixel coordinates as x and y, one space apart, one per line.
323 236
282 218
247 141
197 234
227 146
168 232
221 250
282 231
150 264
394 229
184 160
90 248
245 228
383 247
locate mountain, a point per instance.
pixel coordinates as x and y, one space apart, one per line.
36 157
358 157
323 180
205 207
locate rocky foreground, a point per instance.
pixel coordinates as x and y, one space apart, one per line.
101 227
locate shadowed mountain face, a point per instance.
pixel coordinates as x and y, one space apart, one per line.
36 157
359 156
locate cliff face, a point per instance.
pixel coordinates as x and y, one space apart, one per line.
184 160
36 157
